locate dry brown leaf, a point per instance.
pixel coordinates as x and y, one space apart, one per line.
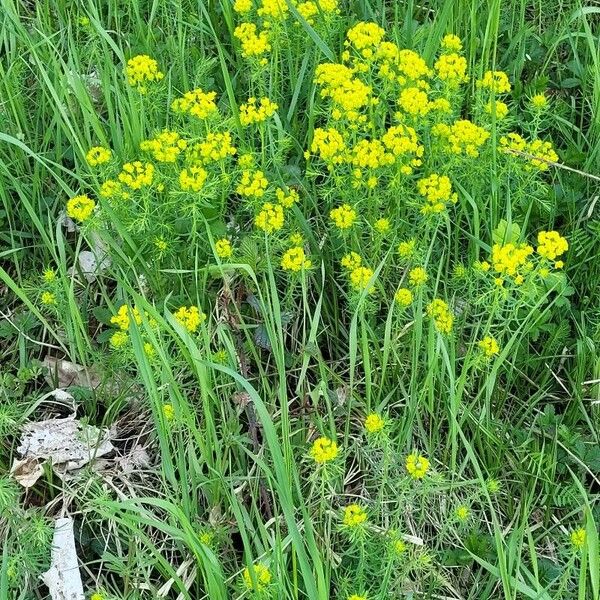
68 373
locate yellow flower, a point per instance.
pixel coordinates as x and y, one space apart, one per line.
414 101
295 260
137 174
324 450
223 248
48 298
122 318
497 107
510 259
118 339
539 101
406 249
192 179
360 278
98 155
197 103
489 346
296 239
329 146
451 42
254 44
190 317
242 6
354 515
97 596
287 200
161 244
382 225
216 146
168 412
140 70
403 297
443 319
351 261
257 577
551 244
399 547
252 184
578 537
270 218
364 37
417 276
495 81
149 350
462 137
437 191
452 69
165 147
357 597
462 512
417 466
343 216
113 189
251 112
49 275
374 423
80 208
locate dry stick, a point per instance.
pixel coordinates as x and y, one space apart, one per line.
552 163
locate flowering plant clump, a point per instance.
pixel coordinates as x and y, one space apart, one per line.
406 219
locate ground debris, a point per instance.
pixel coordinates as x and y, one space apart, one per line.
67 443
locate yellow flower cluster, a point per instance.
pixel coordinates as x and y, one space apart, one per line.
309 9
254 44
551 244
113 189
223 248
257 577
287 200
452 43
197 103
295 260
329 146
274 9
417 466
348 93
539 101
98 155
414 102
497 108
141 70
136 175
374 423
417 276
452 69
191 317
343 216
462 137
402 141
216 146
437 191
489 346
365 37
443 319
539 153
192 179
124 315
165 147
270 218
324 450
354 515
511 260
253 184
351 261
370 154
360 278
80 208
47 298
406 249
403 297
495 81
255 111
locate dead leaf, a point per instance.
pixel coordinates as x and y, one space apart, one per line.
68 374
67 443
136 459
63 577
27 472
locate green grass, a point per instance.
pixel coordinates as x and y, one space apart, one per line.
228 481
